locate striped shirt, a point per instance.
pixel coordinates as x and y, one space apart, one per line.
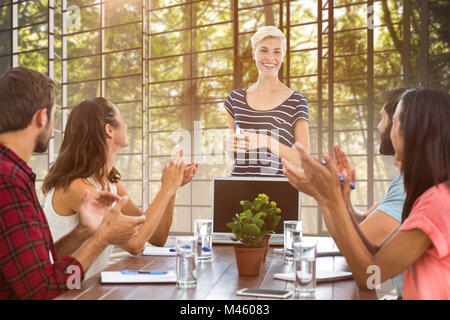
277 123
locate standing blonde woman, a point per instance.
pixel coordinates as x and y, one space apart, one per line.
268 117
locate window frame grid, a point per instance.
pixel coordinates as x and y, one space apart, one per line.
324 54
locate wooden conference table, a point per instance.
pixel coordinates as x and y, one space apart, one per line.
218 280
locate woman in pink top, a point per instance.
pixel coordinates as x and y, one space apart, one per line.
421 245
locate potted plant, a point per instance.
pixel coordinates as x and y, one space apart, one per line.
270 215
257 220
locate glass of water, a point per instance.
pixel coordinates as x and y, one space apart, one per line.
186 264
305 254
292 234
203 233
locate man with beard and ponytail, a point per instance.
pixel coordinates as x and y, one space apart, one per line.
29 265
386 215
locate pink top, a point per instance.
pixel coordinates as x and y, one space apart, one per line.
429 277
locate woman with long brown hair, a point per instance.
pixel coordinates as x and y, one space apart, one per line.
421 244
95 133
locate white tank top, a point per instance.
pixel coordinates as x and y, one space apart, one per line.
62 225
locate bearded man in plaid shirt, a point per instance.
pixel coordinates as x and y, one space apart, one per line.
29 265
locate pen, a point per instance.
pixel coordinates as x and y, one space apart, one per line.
143 272
340 175
203 249
341 178
238 129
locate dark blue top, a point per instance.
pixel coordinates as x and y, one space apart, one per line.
277 122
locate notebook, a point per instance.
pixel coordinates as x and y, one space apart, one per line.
325 247
158 251
321 276
118 277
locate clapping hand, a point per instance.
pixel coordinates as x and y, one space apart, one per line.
189 170
93 208
117 228
298 180
343 167
173 174
324 180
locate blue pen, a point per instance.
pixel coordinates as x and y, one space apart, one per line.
341 178
203 249
143 272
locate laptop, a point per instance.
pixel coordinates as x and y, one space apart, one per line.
227 194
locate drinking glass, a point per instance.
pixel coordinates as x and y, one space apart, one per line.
203 233
305 254
292 234
186 264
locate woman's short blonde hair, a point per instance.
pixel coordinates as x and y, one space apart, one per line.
267 32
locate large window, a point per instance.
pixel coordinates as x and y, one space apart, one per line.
27 39
169 65
103 50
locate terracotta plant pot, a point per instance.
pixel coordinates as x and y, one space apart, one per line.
248 260
266 240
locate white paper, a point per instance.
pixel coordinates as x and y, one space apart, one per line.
320 253
158 251
118 277
321 276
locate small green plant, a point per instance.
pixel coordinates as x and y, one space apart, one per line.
255 221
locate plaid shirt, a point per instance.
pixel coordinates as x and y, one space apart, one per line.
27 252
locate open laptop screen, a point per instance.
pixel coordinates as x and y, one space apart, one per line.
228 193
